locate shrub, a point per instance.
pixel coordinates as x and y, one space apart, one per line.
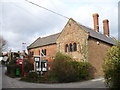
64 69
28 66
3 62
11 70
112 67
81 69
13 62
30 77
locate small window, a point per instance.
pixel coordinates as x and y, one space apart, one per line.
66 48
43 52
74 47
70 47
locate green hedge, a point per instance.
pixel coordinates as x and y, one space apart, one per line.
65 69
112 67
3 62
30 77
28 66
11 70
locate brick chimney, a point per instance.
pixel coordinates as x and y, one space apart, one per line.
106 27
96 22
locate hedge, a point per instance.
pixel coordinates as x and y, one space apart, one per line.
65 69
112 67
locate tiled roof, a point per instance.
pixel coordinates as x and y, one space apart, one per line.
52 38
44 41
98 35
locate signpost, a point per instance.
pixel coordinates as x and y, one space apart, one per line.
39 63
37 59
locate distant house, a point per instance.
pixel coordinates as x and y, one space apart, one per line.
1 58
78 41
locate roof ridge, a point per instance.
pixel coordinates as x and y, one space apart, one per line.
98 35
94 30
49 35
33 42
50 40
86 26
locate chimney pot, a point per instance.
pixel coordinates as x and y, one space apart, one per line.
106 27
96 22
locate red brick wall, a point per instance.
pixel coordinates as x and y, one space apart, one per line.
50 51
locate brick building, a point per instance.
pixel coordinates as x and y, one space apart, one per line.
78 41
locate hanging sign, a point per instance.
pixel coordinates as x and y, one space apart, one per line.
37 59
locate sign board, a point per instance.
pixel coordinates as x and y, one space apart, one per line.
37 59
20 62
44 69
38 69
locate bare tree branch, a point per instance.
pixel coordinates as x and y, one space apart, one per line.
3 44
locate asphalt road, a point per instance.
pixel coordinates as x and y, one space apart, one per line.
8 82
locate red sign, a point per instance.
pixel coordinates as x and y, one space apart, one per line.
19 61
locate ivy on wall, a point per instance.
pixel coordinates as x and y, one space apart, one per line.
84 50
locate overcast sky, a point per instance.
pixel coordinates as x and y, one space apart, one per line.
21 21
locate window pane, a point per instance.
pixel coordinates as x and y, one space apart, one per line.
75 47
44 51
70 47
66 48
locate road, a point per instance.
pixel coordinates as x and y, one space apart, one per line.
8 82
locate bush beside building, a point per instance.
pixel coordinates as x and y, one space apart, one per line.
65 69
112 67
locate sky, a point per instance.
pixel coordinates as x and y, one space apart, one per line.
23 22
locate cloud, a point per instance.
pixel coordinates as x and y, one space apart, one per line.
24 22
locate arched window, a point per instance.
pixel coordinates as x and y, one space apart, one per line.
70 47
74 47
66 48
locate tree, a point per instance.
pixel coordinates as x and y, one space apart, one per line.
112 67
3 44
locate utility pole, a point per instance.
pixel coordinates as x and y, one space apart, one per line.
23 49
10 54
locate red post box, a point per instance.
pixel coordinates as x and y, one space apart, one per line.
20 62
